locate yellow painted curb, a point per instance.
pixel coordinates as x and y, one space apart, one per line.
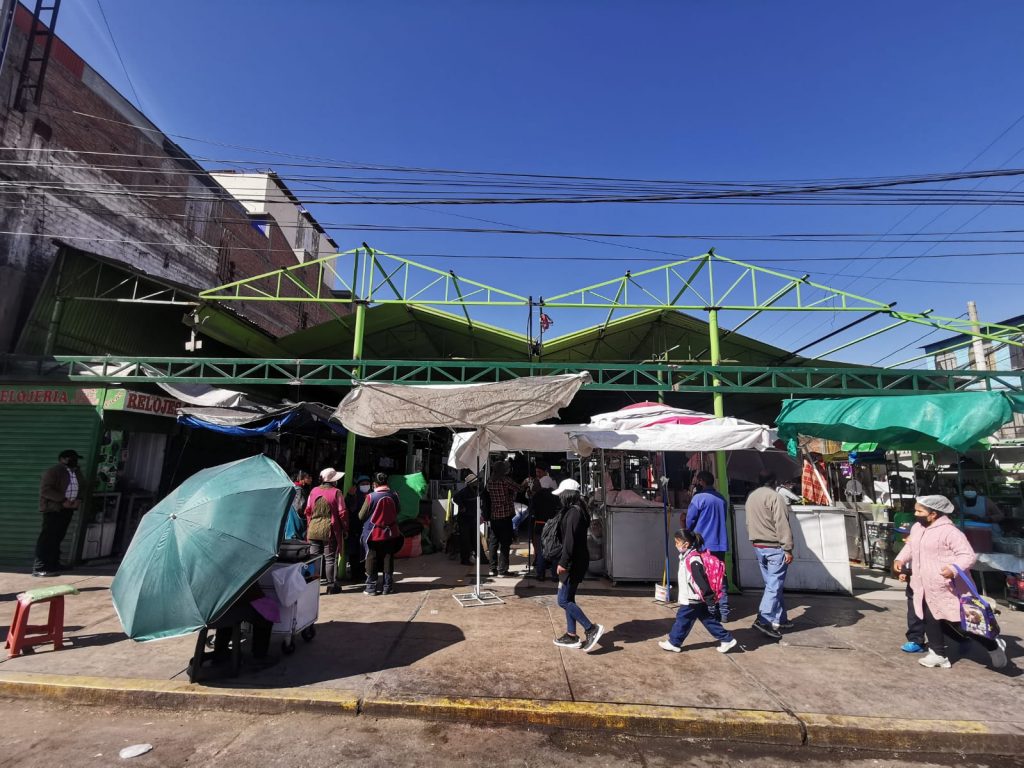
685 722
900 735
170 694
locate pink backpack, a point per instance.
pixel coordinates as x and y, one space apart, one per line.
713 568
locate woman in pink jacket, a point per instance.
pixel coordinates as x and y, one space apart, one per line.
934 546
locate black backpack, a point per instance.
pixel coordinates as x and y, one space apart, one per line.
551 538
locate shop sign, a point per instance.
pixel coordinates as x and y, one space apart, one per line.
138 402
48 396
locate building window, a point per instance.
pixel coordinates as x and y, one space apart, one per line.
946 361
260 223
315 247
1017 356
300 230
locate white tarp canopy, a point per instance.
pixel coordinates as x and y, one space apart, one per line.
645 428
378 410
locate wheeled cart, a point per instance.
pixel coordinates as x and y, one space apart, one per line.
299 617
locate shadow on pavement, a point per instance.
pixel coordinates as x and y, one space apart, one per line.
345 649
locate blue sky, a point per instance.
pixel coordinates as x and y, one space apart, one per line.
671 90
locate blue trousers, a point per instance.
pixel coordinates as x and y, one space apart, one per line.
723 604
567 602
688 614
773 570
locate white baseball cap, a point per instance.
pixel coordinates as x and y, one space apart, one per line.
566 486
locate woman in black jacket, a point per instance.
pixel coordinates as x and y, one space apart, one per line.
572 566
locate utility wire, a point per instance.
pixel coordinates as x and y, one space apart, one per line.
138 101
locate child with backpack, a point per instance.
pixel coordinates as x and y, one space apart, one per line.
380 536
701 584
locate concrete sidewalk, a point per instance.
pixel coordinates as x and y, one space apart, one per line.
837 679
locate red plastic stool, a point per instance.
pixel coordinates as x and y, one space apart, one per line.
23 635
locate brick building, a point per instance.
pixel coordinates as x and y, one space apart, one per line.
87 176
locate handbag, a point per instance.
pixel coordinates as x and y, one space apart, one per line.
976 615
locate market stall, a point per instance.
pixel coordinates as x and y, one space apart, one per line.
950 421
378 410
623 465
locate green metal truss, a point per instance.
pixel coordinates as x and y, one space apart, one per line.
708 283
373 277
647 377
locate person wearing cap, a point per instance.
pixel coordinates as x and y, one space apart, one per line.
353 547
60 493
572 566
933 548
327 525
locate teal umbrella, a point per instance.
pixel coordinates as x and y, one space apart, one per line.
956 420
201 547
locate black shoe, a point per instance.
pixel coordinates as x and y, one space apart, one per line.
765 628
39 574
592 636
334 589
785 625
502 573
494 571
568 641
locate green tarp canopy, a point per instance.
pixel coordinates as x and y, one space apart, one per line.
956 420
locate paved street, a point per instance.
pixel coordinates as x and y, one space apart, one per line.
52 736
837 678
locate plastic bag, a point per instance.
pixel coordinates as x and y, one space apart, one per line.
288 583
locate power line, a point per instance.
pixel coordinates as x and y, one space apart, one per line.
117 50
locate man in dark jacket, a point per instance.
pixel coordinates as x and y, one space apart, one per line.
60 493
466 501
353 547
572 567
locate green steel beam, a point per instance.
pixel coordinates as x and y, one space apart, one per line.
229 372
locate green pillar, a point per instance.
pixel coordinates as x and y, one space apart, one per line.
357 354
719 402
721 463
350 438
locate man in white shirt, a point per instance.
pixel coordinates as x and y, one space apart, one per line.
60 492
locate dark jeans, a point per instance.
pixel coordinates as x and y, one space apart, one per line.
381 556
261 629
329 549
467 537
55 526
937 630
567 601
499 535
915 626
688 614
354 555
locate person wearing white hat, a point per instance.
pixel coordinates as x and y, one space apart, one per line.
574 521
327 524
933 548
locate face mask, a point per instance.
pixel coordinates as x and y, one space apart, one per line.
970 494
923 520
364 488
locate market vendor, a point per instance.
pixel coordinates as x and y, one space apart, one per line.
972 504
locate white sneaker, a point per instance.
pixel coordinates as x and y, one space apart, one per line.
934 660
665 645
726 647
998 656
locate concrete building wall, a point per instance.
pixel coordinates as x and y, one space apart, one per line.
92 171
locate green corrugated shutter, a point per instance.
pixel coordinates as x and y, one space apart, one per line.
31 436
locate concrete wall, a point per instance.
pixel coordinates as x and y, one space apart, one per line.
120 189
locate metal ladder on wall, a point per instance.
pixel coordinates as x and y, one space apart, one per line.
41 35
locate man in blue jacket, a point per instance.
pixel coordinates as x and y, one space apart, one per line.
706 516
